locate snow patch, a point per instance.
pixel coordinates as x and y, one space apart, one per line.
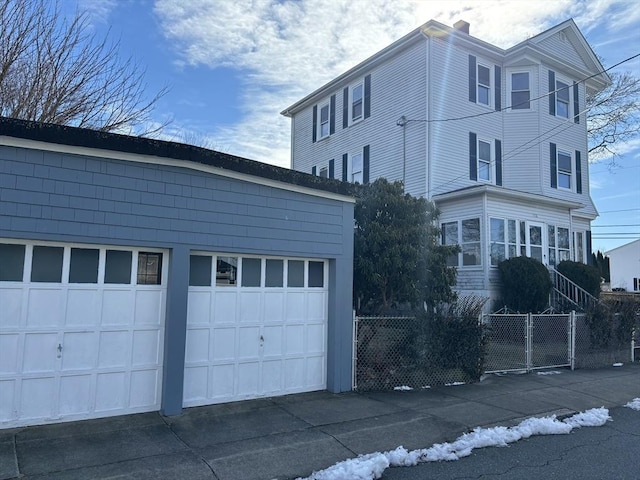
403 388
372 466
550 372
634 404
454 384
618 364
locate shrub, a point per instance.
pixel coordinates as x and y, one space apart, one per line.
586 277
525 284
611 323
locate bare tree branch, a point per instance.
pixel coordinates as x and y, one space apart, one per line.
54 70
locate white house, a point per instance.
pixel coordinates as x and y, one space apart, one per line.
624 266
496 138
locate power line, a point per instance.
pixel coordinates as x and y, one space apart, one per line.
611 226
624 210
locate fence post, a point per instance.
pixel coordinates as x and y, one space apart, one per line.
529 342
354 356
572 339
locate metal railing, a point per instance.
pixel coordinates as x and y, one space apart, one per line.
566 294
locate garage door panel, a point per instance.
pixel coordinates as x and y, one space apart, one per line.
197 345
315 371
113 349
295 306
248 342
117 307
148 307
111 391
83 308
294 339
75 394
11 311
40 352
79 351
224 344
45 307
144 388
272 376
274 307
294 376
251 307
146 348
7 399
248 378
9 352
196 383
316 306
316 335
225 307
199 308
223 378
36 397
273 341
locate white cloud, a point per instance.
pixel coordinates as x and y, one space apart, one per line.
286 49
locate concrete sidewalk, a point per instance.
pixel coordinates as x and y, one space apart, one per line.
286 437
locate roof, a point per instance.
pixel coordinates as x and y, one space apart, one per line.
598 78
624 247
183 153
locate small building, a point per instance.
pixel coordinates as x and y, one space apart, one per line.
140 275
624 267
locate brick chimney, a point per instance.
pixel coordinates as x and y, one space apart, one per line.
462 26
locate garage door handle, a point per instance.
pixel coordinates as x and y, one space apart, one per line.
261 340
60 347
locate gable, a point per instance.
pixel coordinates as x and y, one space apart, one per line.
563 44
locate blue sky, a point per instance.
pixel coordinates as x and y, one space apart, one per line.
233 65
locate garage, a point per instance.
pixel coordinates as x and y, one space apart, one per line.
142 275
81 331
256 326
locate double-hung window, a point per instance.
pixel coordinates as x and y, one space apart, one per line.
562 99
484 85
564 169
324 121
484 160
520 91
356 168
357 95
465 233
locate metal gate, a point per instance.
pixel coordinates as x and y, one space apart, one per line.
526 342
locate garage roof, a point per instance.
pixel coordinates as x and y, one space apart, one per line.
94 139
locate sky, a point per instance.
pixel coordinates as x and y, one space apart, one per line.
373 465
232 66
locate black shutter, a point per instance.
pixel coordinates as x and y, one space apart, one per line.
473 156
589 249
578 173
552 95
472 79
554 165
345 107
498 162
315 123
345 166
367 96
331 168
313 170
365 165
576 104
332 115
498 87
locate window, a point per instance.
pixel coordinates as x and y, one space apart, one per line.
551 238
498 244
295 273
316 274
578 247
562 242
357 95
484 160
11 262
520 91
251 272
83 267
564 170
324 172
484 85
46 264
356 168
226 271
324 121
118 267
469 241
636 284
200 270
149 268
274 273
562 99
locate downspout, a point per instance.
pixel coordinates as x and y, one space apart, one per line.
429 141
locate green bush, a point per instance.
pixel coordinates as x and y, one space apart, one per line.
525 284
611 323
585 276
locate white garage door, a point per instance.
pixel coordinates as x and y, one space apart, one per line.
256 327
81 331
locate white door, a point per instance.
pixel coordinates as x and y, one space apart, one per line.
256 327
81 331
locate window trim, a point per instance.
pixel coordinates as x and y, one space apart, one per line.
321 106
460 255
490 99
491 161
352 120
570 173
